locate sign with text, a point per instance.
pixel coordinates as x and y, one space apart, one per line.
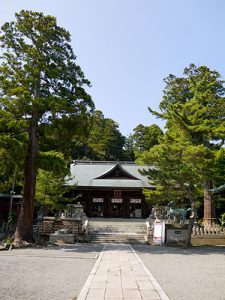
98 200
117 200
135 201
158 233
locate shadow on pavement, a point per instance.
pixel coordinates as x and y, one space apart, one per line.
197 250
79 248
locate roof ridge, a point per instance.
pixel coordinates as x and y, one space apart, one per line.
101 162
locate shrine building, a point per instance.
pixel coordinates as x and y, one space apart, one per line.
110 189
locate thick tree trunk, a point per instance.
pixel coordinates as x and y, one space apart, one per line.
208 218
24 230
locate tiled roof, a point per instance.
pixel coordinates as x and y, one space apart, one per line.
87 173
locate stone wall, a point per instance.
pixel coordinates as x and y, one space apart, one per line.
50 225
208 240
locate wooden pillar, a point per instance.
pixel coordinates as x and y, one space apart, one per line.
89 205
107 206
145 208
209 218
126 212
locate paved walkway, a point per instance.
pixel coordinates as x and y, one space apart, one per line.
119 273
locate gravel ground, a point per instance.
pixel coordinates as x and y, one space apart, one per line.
46 274
59 273
193 274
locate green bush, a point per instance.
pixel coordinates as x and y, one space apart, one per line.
11 218
222 219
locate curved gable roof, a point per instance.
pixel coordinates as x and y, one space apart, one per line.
100 174
117 172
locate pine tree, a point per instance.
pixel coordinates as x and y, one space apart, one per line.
194 106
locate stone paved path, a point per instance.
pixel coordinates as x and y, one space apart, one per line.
119 273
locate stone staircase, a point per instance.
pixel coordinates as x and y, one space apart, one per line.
131 231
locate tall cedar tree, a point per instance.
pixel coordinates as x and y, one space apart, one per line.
194 105
40 83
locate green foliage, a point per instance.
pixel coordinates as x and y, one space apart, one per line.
53 161
51 185
195 105
145 137
105 142
38 73
11 218
8 240
43 103
129 148
50 190
222 219
190 152
175 162
219 166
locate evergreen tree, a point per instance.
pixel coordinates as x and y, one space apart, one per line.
40 83
51 185
178 173
105 141
194 108
129 148
145 137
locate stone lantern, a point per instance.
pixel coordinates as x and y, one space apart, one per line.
78 209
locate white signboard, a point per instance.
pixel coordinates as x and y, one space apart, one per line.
135 200
158 233
117 200
98 200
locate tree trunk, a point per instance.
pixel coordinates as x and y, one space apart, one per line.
190 227
208 218
193 217
24 231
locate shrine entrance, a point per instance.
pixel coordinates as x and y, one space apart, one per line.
98 207
110 189
135 208
117 208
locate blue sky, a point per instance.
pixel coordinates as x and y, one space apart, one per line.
127 47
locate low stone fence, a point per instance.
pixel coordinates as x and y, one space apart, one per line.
208 240
50 225
210 236
213 230
70 230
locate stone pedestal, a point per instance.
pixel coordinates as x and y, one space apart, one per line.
176 236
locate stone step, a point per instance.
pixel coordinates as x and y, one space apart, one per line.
122 230
119 234
117 220
117 224
118 238
117 228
